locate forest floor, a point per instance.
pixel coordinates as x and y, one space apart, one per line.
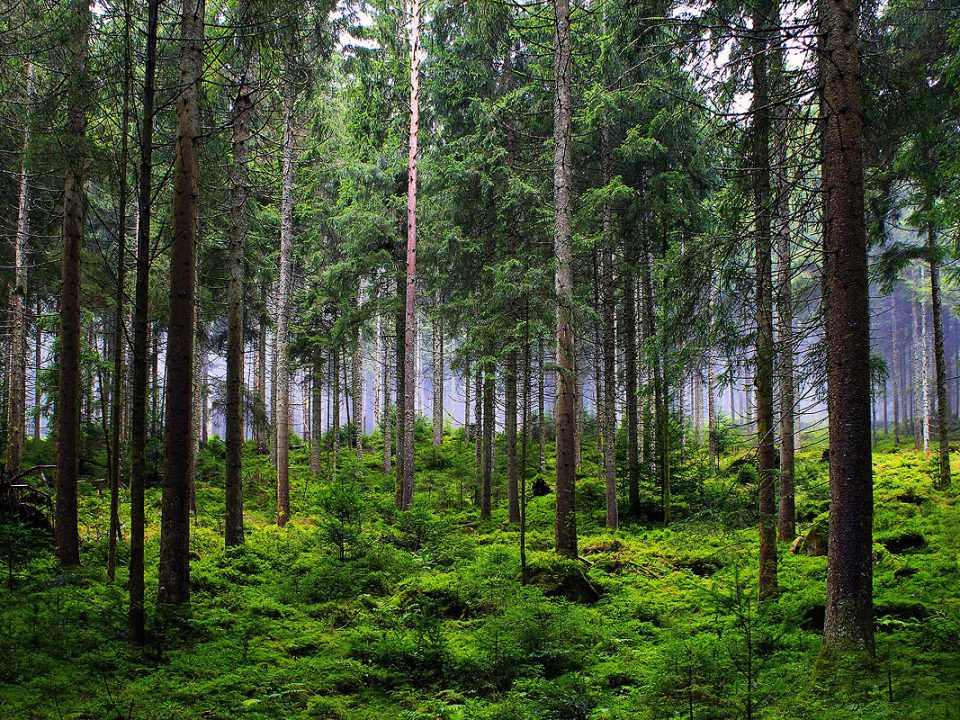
358 612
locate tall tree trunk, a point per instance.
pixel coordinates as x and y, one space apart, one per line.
356 399
478 435
489 435
763 377
510 435
401 392
437 381
542 406
566 390
141 361
239 195
288 173
943 399
629 333
410 315
849 607
38 368
924 372
179 445
66 534
609 344
385 419
119 336
16 425
895 367
316 411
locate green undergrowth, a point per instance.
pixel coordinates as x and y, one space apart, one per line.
359 612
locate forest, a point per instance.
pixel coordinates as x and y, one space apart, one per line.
479 359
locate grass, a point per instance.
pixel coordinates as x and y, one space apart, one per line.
424 616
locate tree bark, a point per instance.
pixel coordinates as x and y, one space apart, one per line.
410 315
628 331
437 381
179 444
66 534
17 403
510 435
848 623
609 344
943 399
141 361
288 173
566 390
239 195
489 434
763 248
119 336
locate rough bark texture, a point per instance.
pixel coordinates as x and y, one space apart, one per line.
541 407
437 382
609 346
119 335
179 445
17 392
566 390
316 411
486 484
410 306
848 623
510 436
138 419
763 372
239 194
943 400
282 419
628 331
66 535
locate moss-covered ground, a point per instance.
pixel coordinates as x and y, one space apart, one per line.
358 612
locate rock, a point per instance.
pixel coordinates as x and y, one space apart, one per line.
898 544
815 541
898 610
911 497
825 456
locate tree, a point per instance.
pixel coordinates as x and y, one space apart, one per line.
138 419
179 445
239 195
849 607
66 537
566 521
410 305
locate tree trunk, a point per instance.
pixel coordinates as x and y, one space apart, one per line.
16 425
628 331
566 390
179 445
437 382
849 607
386 419
38 368
943 400
895 367
541 407
316 411
119 336
66 534
609 344
288 173
763 377
138 420
489 434
239 194
400 389
410 306
510 435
